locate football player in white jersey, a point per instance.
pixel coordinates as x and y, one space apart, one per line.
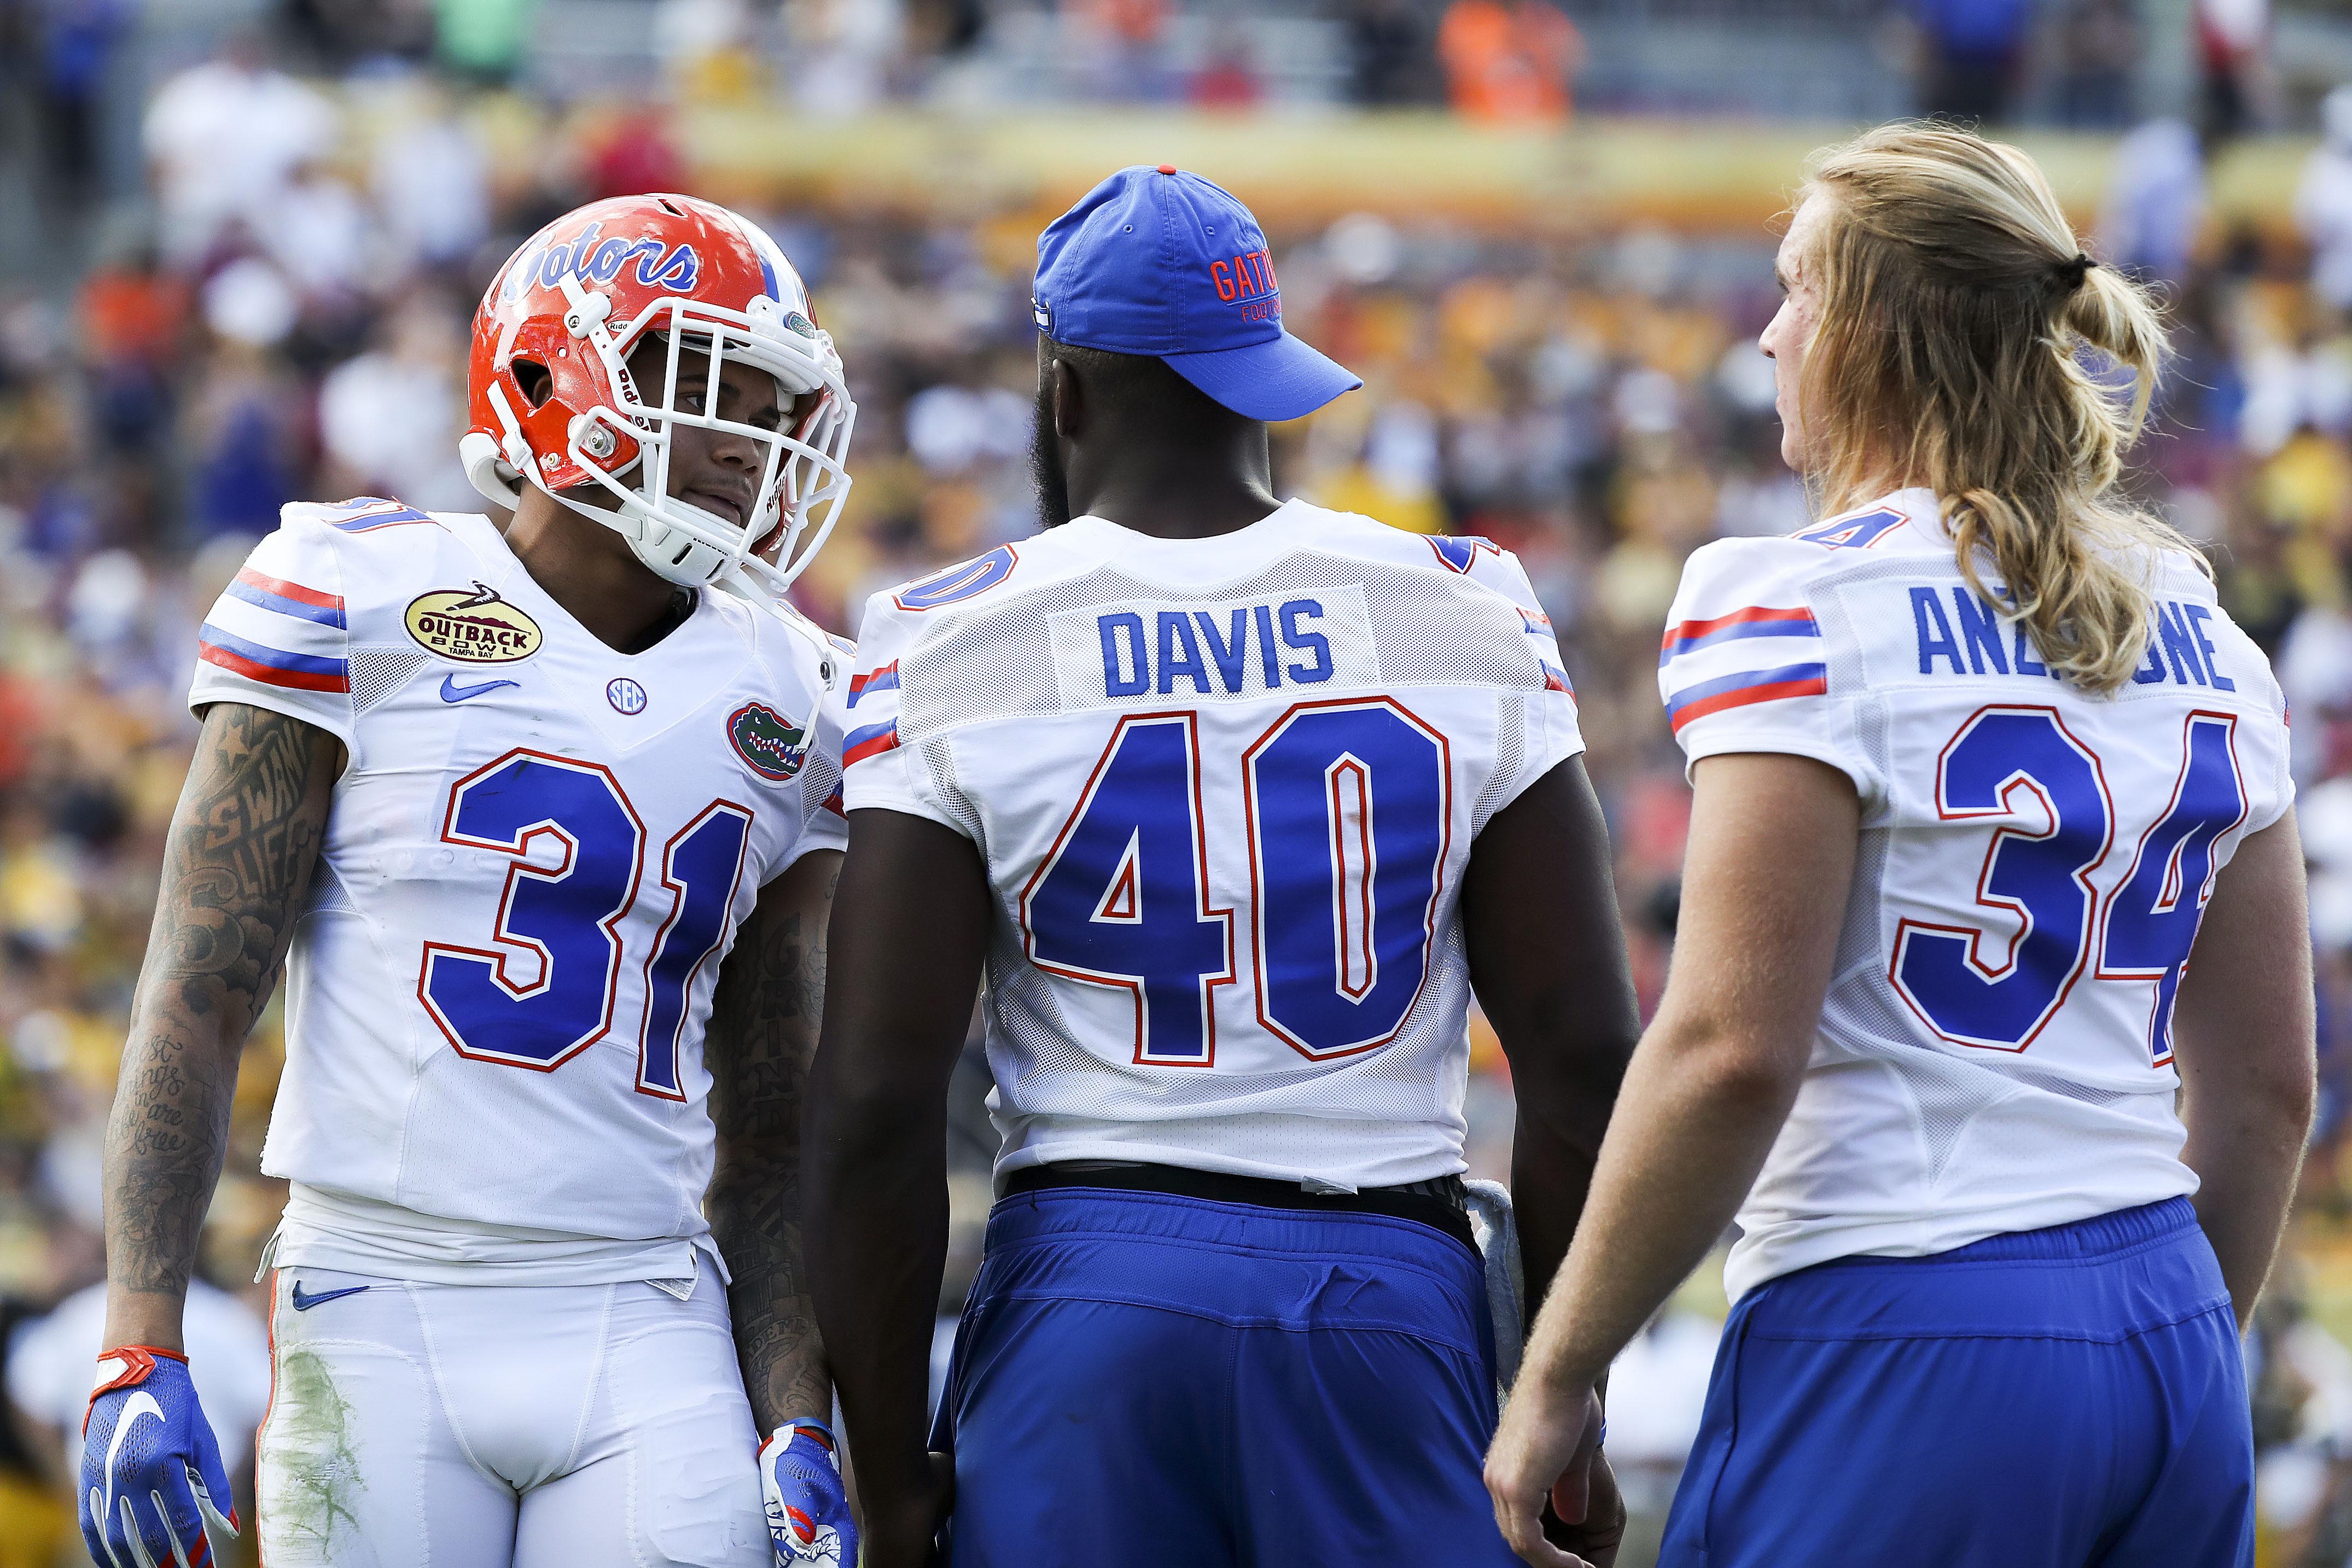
1992 856
1234 801
543 827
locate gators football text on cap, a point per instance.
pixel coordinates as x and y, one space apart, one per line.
1160 262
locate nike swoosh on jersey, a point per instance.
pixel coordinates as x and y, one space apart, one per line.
303 1303
451 692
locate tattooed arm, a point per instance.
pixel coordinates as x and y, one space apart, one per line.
243 840
763 1024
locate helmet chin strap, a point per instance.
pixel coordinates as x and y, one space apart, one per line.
676 556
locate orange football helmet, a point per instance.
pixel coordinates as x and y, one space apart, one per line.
575 301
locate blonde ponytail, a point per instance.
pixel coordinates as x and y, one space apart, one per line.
1954 300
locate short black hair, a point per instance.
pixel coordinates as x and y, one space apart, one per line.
1141 387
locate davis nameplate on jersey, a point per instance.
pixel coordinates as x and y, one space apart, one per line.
1303 639
472 624
770 744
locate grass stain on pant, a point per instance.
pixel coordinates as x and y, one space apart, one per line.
317 1469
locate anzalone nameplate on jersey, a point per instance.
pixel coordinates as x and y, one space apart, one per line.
472 624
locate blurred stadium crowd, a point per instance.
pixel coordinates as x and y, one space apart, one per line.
285 320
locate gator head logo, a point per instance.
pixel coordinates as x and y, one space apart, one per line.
769 745
472 625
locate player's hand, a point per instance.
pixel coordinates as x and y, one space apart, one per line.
808 1511
1546 1449
150 1467
1595 1536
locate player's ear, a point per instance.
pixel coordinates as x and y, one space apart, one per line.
1064 394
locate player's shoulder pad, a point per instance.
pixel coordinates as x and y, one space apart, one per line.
787 642
1754 594
966 582
1487 568
1480 561
359 516
1754 570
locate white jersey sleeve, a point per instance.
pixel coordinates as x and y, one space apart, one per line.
875 771
822 825
1745 665
278 636
1548 732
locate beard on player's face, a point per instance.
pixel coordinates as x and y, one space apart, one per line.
1045 464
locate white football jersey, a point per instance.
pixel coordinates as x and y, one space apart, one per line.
1994 1053
1226 790
534 864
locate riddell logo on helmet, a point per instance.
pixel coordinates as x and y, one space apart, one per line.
672 267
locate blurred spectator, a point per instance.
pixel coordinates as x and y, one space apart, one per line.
1509 61
389 419
483 40
225 139
2233 61
430 179
842 52
2100 48
2300 1377
322 235
633 156
1119 48
2155 200
1391 55
78 45
1657 1391
1228 79
2323 202
1970 53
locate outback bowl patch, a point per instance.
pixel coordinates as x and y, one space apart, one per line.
472 625
769 745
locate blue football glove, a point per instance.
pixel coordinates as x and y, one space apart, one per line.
151 1472
808 1511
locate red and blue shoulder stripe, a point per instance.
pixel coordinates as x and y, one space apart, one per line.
1756 620
1696 702
368 513
271 666
275 593
872 741
884 679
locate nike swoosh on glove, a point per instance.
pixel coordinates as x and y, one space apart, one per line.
808 1511
150 1467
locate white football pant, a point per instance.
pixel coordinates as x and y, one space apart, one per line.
483 1426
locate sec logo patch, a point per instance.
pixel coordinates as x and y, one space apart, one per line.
769 745
625 696
472 625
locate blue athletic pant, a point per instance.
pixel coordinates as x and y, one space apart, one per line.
2063 1398
1149 1381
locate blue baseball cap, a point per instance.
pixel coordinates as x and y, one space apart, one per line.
1159 261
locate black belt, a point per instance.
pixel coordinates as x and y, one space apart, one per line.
1437 1203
